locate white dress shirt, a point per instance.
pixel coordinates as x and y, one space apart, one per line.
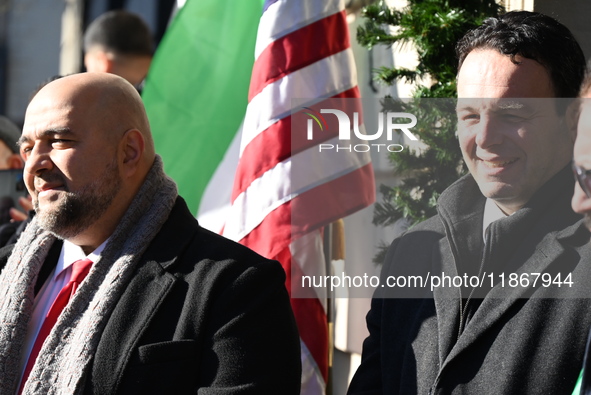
492 212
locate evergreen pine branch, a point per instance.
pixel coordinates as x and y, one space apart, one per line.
381 14
372 34
389 76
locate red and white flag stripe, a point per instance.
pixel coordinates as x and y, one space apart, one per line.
285 191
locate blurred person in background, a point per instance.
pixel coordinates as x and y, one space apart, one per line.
9 135
9 159
119 42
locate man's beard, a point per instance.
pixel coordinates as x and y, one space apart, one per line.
76 211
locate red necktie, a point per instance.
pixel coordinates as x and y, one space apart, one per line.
79 270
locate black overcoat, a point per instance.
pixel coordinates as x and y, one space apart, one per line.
202 314
489 339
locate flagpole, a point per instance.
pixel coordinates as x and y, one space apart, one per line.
328 230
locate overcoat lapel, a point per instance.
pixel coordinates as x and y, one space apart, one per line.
151 283
526 242
499 301
447 305
457 254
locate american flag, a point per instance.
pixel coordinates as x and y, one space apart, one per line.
285 190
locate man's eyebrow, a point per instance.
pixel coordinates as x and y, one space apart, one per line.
511 105
500 105
467 104
21 141
465 108
46 133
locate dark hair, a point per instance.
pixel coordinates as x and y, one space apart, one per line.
534 36
121 32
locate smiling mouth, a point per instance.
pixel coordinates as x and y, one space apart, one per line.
49 182
497 164
47 190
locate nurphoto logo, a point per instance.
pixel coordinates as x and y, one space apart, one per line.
390 119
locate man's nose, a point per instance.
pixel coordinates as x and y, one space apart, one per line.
580 202
488 132
37 160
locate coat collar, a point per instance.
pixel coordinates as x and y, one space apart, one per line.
461 211
529 241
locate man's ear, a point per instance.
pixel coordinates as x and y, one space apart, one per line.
98 61
572 118
15 161
132 151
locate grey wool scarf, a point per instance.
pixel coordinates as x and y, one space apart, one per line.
66 353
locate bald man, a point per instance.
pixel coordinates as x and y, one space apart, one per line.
166 306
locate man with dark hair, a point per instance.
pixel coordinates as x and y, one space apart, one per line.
114 288
119 42
505 224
